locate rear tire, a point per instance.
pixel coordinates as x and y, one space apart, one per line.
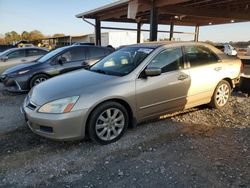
108 122
37 79
221 95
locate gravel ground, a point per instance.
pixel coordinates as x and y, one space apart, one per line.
201 147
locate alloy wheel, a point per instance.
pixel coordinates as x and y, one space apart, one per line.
110 124
39 80
222 94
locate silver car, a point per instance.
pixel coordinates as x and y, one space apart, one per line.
131 85
15 56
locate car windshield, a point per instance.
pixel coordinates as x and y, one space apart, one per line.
50 55
122 62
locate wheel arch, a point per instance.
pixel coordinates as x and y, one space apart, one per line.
132 119
38 73
229 80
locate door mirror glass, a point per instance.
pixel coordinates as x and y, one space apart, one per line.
152 71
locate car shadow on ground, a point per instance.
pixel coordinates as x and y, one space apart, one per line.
23 139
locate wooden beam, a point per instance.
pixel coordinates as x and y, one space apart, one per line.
145 30
113 14
196 3
160 3
205 12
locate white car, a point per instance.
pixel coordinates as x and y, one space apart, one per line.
227 49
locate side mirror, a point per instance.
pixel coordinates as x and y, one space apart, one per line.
61 60
4 58
85 65
152 71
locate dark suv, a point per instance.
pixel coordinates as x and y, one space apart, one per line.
61 60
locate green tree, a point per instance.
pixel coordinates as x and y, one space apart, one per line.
35 35
12 37
2 41
25 35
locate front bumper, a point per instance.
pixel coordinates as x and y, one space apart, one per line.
16 84
68 126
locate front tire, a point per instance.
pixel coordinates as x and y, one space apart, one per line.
221 95
37 79
108 122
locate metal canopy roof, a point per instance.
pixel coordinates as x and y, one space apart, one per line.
179 12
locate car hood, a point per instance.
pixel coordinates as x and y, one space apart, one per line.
76 83
19 68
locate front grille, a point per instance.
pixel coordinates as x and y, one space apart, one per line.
31 106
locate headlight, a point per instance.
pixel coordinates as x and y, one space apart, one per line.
59 106
23 72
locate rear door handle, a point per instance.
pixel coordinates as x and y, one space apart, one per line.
217 68
23 60
182 77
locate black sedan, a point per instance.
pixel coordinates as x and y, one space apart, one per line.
23 77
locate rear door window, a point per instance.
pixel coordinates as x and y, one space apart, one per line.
35 52
200 55
16 54
74 54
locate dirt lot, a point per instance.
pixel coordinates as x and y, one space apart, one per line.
199 148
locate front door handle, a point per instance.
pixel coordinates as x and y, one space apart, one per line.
217 68
182 77
23 60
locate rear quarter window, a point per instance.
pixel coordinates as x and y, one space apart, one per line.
16 54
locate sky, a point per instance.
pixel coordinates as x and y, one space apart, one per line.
58 16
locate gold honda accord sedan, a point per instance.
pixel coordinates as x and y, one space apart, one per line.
131 85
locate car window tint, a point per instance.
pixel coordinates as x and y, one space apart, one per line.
199 55
123 61
220 47
35 52
74 54
96 52
108 51
16 54
168 60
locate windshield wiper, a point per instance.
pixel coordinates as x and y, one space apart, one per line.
99 71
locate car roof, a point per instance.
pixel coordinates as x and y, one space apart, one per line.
85 45
155 45
28 48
